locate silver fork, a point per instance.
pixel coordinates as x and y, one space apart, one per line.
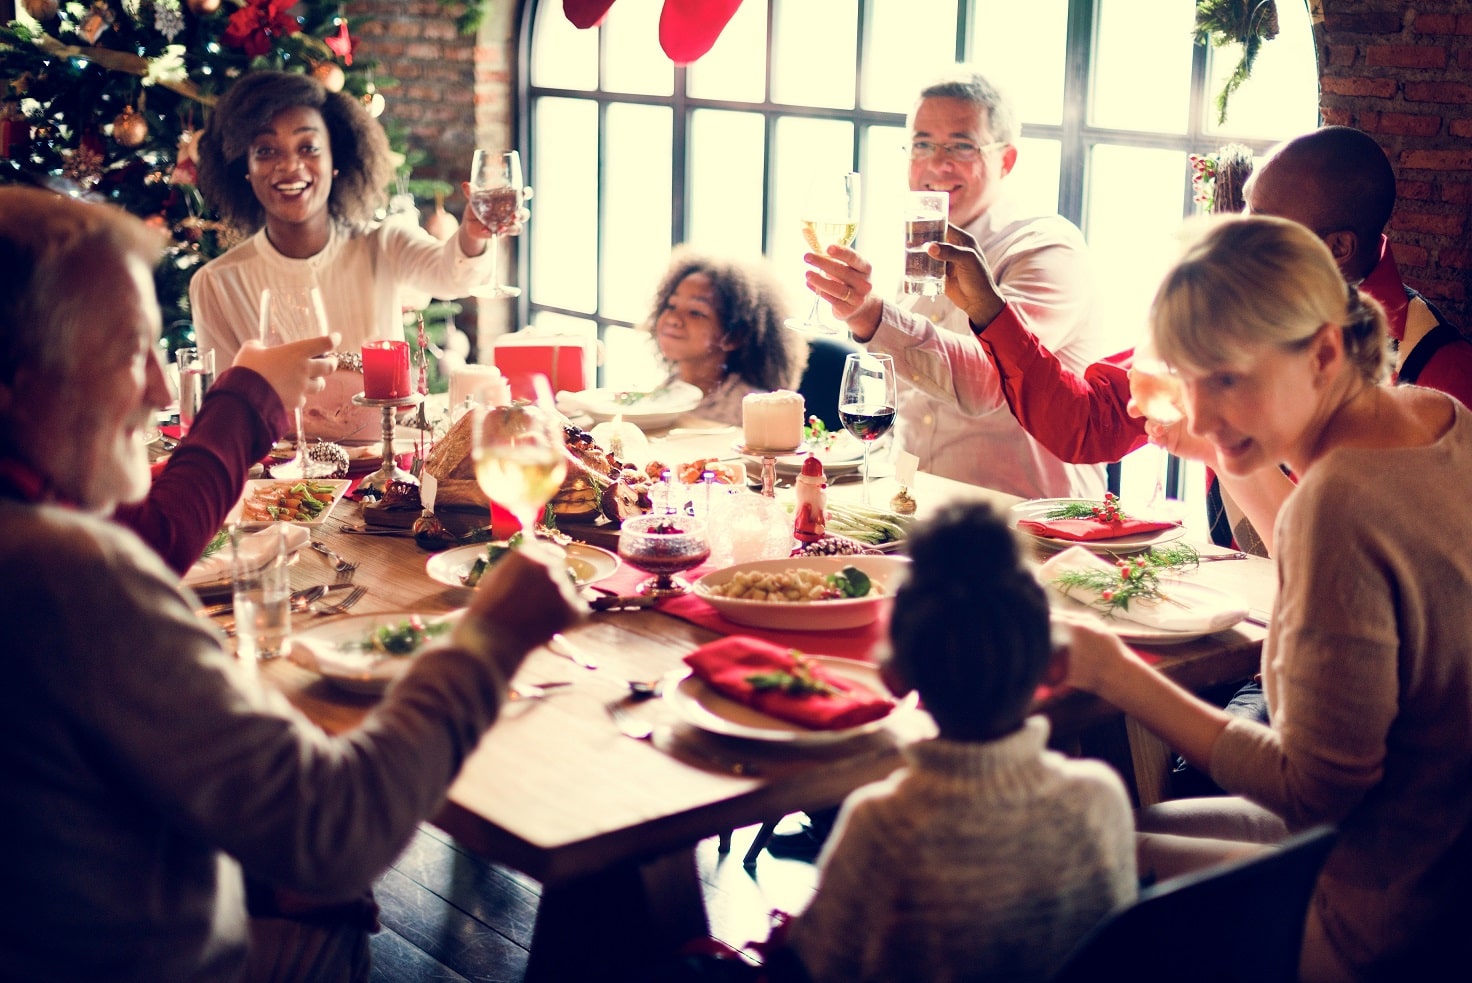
345 568
354 596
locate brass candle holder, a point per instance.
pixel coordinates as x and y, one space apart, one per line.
388 471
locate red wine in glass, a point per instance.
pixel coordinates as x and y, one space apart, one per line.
867 397
496 207
866 421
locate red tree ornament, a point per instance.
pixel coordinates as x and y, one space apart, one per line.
342 44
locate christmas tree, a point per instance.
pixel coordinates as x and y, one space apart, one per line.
104 100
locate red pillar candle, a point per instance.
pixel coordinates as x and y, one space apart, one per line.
385 369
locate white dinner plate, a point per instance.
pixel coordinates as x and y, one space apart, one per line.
845 457
334 650
587 564
1037 510
853 612
700 706
265 486
655 411
1219 611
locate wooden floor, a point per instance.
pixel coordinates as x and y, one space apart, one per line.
449 916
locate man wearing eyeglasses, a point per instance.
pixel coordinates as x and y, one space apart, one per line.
952 411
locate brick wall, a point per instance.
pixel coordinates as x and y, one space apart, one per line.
453 93
1401 70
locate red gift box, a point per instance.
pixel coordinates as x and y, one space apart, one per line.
568 362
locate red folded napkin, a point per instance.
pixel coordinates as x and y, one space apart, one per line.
1080 530
727 665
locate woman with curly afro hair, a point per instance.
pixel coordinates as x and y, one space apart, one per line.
303 171
718 325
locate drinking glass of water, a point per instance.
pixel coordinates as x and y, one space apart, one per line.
926 214
260 580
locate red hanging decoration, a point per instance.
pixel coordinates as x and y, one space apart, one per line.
689 28
585 13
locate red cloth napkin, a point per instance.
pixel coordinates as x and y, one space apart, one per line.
727 664
1080 530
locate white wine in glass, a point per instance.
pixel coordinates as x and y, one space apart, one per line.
519 454
495 198
830 213
1156 392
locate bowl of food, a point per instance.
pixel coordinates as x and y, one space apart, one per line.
804 593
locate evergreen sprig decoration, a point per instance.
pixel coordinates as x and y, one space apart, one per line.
1109 511
1246 22
800 680
1131 579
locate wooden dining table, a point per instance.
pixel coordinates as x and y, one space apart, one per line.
608 824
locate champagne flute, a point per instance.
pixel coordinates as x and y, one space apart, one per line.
495 198
291 314
867 400
519 454
830 217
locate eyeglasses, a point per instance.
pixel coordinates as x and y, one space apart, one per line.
961 153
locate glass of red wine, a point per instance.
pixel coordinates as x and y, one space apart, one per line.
867 399
495 198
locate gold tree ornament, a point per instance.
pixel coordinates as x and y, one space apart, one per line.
129 128
331 75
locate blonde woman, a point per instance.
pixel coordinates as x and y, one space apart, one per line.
1368 664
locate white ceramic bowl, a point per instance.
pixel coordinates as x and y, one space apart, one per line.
885 571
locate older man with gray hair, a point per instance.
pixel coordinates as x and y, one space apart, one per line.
952 411
145 768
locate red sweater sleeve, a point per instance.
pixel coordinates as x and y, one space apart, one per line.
240 418
1450 370
1080 418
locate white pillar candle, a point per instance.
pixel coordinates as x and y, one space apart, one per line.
483 383
772 421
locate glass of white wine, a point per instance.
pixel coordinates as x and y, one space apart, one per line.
495 198
519 453
1156 392
830 217
291 313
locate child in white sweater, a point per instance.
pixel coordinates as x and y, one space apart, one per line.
988 856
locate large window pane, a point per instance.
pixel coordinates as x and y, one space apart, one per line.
735 69
636 207
563 57
815 47
805 149
1133 225
886 171
1034 179
727 151
1021 47
564 261
907 46
1133 34
1281 98
635 61
631 356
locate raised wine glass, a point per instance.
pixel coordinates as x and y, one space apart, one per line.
663 545
495 198
292 313
830 217
867 400
1155 391
519 453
